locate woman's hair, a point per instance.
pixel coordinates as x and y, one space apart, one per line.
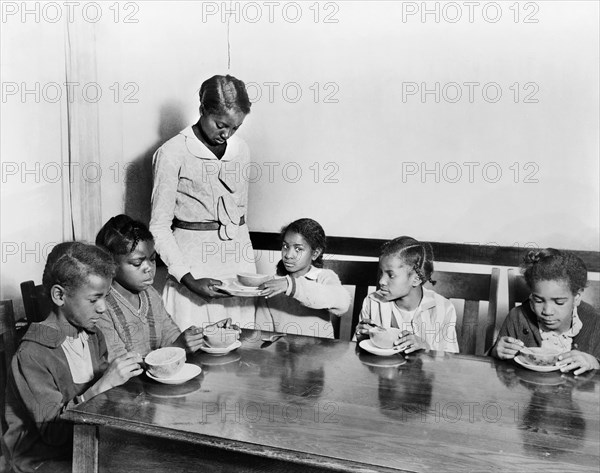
554 265
69 265
417 255
121 235
312 232
221 93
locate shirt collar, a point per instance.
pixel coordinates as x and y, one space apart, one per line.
428 301
576 325
198 149
313 273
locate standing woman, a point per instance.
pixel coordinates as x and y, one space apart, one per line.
199 203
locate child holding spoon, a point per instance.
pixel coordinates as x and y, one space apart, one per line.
554 317
136 319
62 361
426 319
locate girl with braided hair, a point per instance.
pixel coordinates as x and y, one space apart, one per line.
136 319
426 319
554 316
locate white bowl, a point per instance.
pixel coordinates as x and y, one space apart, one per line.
165 362
384 337
540 356
252 280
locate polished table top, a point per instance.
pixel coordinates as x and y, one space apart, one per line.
327 403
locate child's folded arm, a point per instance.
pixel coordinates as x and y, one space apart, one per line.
325 293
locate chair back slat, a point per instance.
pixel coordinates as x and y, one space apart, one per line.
8 336
36 304
490 322
467 340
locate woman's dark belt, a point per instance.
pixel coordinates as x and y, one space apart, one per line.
201 226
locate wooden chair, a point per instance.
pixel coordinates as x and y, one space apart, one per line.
518 290
475 332
7 350
361 275
37 306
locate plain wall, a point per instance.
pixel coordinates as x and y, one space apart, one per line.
374 161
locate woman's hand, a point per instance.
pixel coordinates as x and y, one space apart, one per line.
191 339
577 360
506 348
363 328
204 287
409 342
273 287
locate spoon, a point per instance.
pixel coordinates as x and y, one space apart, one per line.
274 337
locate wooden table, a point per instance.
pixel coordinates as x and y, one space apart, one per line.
306 404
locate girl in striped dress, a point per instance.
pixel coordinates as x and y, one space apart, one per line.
136 319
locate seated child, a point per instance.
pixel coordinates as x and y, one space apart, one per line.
136 319
307 296
62 361
427 320
554 316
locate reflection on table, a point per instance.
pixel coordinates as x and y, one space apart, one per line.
308 404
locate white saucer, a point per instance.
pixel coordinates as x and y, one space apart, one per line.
187 372
220 351
540 368
368 346
233 287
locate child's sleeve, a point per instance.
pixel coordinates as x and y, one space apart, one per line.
326 292
164 197
365 313
42 398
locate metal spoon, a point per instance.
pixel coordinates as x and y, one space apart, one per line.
273 338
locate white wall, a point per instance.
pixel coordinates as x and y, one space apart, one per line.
370 137
32 144
370 141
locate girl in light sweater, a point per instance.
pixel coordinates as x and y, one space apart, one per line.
305 296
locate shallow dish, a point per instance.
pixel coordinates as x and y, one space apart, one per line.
220 351
233 287
187 372
367 345
252 280
542 369
165 362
